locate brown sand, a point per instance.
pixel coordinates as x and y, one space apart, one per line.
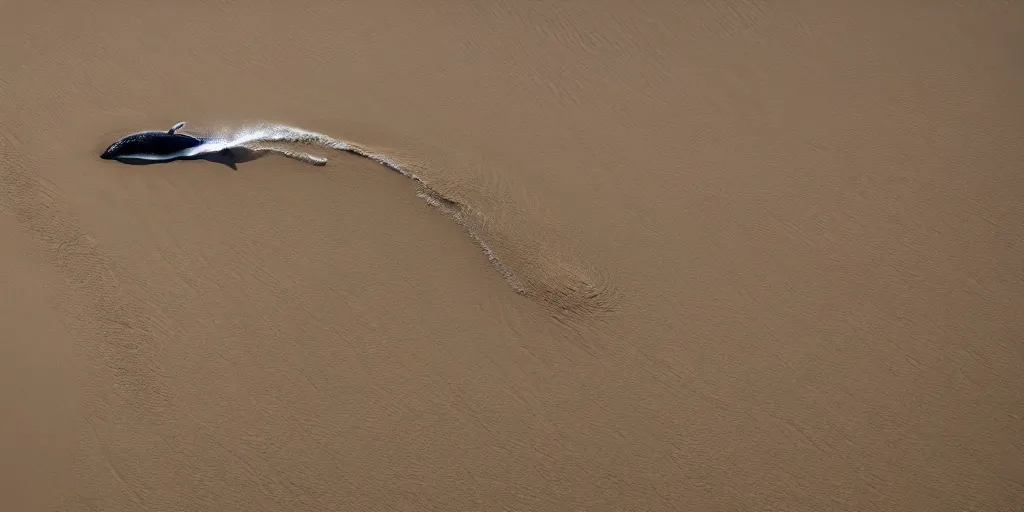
774 252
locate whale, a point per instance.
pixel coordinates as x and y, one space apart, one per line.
158 146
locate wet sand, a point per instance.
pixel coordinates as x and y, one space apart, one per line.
770 257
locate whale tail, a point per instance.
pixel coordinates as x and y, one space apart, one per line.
176 127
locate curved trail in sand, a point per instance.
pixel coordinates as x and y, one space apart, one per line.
549 281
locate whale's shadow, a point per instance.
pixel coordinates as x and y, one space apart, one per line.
230 157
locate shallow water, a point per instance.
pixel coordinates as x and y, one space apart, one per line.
564 293
657 256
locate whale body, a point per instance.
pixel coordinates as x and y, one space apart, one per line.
160 146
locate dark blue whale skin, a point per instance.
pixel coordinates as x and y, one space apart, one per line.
163 147
160 144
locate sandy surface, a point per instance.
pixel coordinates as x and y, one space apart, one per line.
771 258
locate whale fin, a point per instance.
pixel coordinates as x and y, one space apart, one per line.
175 127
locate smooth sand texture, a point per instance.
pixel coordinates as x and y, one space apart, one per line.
776 253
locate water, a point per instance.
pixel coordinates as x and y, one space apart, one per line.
543 278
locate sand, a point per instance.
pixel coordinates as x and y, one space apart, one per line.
749 256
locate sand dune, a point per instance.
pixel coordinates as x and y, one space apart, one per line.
705 256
